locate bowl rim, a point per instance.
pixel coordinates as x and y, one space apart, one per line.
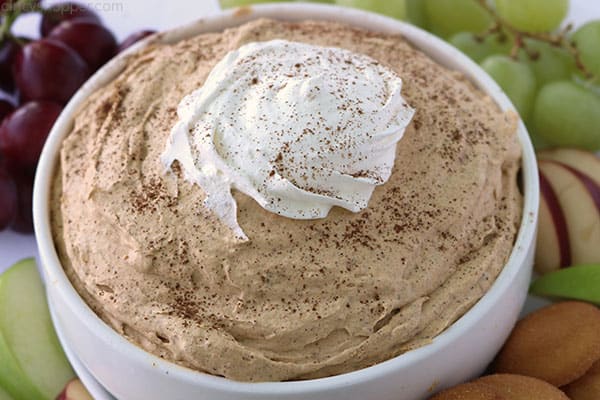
454 59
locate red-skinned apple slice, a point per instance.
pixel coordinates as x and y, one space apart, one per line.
553 249
581 160
548 254
578 198
74 390
592 187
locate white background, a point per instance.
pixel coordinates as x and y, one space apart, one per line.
126 16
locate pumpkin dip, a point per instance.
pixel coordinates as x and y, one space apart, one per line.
300 298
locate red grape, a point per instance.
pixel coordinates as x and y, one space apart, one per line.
134 38
8 198
49 70
58 13
5 109
24 132
23 222
8 52
93 42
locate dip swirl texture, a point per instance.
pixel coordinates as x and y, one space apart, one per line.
303 298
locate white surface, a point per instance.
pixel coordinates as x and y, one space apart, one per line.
132 374
126 16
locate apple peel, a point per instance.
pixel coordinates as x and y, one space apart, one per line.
560 223
580 282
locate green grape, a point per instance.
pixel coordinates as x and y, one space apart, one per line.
395 8
448 17
481 48
533 15
567 114
587 39
516 79
240 3
415 9
547 62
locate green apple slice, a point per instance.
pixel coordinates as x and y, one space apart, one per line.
4 395
33 365
578 283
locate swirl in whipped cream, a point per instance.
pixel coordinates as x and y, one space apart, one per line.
299 128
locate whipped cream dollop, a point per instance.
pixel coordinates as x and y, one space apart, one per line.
300 128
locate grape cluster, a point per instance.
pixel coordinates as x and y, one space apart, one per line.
552 76
37 78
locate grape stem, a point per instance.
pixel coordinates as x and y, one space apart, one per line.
17 8
7 22
557 40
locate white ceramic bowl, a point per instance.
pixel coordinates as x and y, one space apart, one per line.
458 354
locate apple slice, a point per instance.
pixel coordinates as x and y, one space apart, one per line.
581 282
552 232
4 395
581 160
33 365
553 250
579 200
74 391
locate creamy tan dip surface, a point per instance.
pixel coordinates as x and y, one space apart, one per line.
303 298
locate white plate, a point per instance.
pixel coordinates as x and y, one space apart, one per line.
97 391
